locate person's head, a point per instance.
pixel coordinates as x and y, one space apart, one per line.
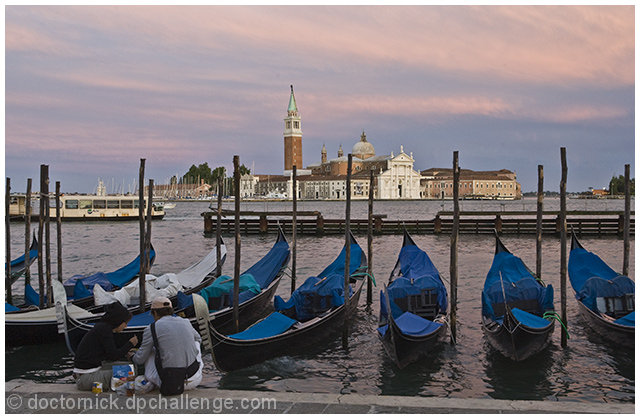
160 307
116 316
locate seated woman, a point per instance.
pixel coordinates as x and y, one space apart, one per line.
99 345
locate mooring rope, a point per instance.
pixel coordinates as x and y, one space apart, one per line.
553 315
367 274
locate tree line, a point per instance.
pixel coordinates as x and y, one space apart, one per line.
203 172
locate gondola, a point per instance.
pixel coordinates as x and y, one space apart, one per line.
315 311
413 306
19 265
514 304
33 326
605 298
266 272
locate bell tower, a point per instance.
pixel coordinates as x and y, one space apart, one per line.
292 136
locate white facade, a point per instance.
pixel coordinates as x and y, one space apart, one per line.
248 185
399 181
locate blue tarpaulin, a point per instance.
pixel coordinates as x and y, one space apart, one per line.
8 308
628 320
584 265
312 290
418 273
322 292
83 284
33 254
592 278
510 278
275 324
598 287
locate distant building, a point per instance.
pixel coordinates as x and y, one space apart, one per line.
599 192
437 183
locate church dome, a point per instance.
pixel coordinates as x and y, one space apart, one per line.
363 148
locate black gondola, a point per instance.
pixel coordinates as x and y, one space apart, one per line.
267 271
293 327
605 298
31 325
418 297
514 304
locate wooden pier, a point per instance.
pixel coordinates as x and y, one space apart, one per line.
471 222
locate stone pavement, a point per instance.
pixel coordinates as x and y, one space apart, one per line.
28 397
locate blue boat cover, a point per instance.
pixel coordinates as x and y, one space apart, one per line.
528 319
329 283
591 278
508 272
33 254
184 300
266 269
596 287
275 324
415 265
628 320
414 325
31 296
584 265
142 319
337 266
8 308
83 284
304 296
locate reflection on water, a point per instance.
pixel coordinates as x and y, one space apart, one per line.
527 380
587 370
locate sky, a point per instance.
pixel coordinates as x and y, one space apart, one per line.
92 90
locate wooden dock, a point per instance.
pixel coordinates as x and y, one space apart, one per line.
471 222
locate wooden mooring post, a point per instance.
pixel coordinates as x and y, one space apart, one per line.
453 268
59 232
147 242
219 230
627 219
347 260
27 234
370 242
563 243
47 232
539 222
41 288
7 234
294 228
236 267
143 258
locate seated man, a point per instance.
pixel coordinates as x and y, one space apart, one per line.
179 345
98 346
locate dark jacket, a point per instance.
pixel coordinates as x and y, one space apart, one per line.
99 345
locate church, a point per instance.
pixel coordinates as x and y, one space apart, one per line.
394 176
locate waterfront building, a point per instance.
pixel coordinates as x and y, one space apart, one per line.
437 183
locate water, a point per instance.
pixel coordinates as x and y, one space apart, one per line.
587 370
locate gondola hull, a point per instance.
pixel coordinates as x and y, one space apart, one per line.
516 342
405 349
233 354
32 333
616 333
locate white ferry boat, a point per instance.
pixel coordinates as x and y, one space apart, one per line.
81 207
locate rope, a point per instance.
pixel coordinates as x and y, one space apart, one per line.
553 315
367 274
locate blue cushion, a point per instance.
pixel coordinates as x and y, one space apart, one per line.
414 325
628 320
528 319
275 324
8 308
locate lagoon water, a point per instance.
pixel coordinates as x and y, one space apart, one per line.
589 369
